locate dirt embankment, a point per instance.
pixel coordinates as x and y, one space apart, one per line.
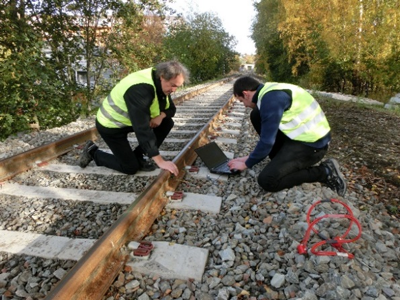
366 141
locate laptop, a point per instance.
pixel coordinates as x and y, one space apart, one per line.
215 159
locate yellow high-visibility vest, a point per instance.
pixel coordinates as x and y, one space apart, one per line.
113 112
304 121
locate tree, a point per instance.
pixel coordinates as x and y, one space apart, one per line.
94 38
272 57
201 43
346 46
137 41
27 81
248 59
46 45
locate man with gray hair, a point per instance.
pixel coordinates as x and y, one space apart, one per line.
139 103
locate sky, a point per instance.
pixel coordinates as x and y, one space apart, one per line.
236 17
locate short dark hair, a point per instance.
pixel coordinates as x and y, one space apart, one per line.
245 83
171 69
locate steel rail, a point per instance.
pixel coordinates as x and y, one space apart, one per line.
94 273
11 166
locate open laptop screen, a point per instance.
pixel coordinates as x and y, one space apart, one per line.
211 155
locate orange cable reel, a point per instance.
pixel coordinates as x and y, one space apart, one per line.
336 242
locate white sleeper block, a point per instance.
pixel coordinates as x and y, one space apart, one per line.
47 246
173 261
102 197
191 201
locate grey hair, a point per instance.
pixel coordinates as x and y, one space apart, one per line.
170 69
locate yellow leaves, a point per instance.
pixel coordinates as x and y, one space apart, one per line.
244 293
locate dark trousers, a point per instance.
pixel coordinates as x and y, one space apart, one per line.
123 159
292 162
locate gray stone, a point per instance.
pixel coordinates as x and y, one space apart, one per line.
223 294
346 282
228 280
59 273
144 296
227 254
132 284
278 280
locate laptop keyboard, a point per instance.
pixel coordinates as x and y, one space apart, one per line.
222 167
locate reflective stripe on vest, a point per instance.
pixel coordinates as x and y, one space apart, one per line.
117 109
304 127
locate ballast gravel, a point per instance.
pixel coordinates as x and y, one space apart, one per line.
253 241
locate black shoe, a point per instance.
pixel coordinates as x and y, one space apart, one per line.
86 156
146 165
335 179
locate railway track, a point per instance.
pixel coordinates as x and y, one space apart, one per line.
66 233
86 218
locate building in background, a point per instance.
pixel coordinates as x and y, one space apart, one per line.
246 68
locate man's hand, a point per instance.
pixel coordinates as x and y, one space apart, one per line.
166 165
238 163
155 122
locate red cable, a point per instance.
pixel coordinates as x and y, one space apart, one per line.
335 242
